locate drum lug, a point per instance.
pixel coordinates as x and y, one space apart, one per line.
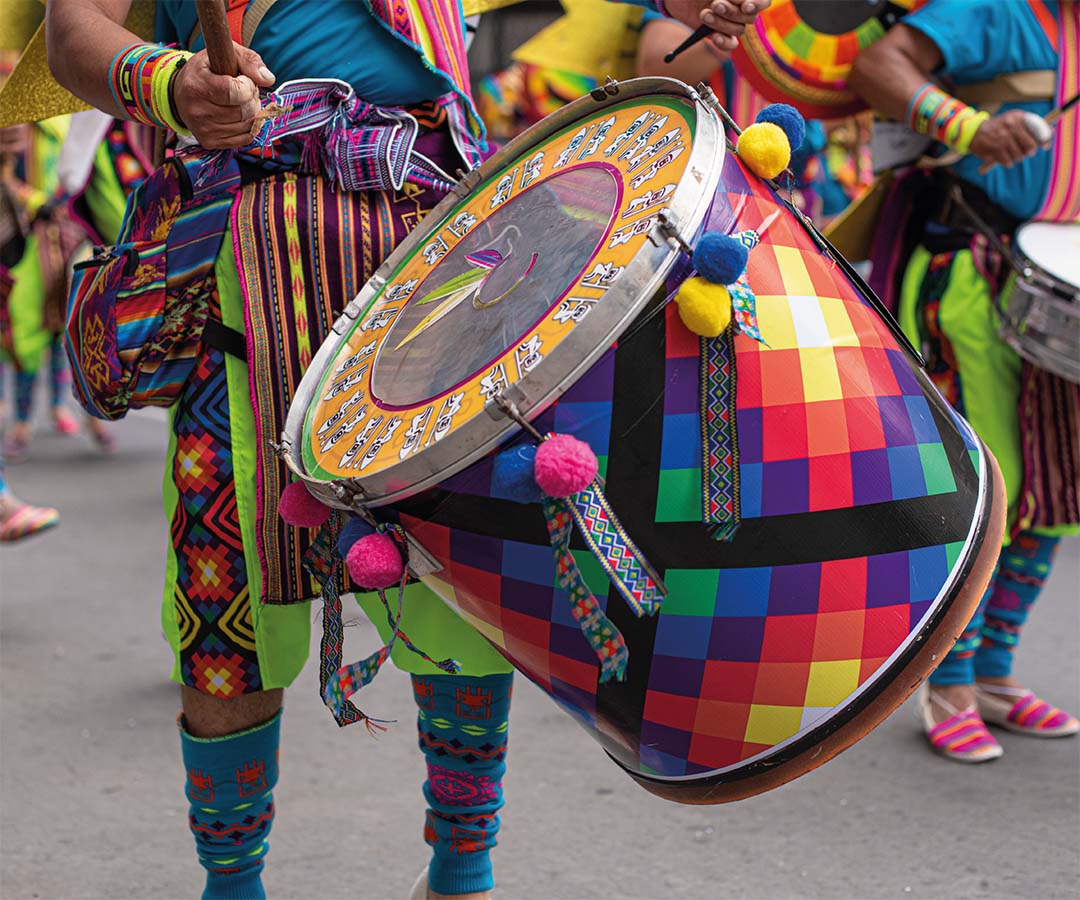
668 227
609 88
465 184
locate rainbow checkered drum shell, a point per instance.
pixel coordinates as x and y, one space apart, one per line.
801 51
870 512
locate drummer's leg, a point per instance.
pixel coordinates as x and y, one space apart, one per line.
1025 564
463 725
233 655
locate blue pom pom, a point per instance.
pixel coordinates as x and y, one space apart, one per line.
354 529
512 475
789 119
719 257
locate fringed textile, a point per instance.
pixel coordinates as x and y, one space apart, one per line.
1050 426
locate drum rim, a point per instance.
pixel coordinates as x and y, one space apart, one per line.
1039 269
643 276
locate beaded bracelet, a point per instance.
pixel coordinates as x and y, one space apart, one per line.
141 78
944 118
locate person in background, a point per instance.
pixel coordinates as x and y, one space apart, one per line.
1004 170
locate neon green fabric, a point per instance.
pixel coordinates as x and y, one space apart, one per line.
989 369
283 633
105 196
29 337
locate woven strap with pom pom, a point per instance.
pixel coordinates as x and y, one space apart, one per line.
339 683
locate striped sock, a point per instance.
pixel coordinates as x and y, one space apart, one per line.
230 783
1023 569
463 730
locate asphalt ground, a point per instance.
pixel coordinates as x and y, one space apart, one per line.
91 800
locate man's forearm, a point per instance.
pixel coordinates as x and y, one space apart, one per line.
84 37
888 74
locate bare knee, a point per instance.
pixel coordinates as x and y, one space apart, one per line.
211 717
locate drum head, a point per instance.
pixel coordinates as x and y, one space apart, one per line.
801 51
1054 247
514 287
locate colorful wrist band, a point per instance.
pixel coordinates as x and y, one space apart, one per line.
944 118
141 79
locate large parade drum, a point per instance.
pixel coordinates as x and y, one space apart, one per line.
815 523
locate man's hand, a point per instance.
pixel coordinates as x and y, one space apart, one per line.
728 18
13 140
220 109
1004 140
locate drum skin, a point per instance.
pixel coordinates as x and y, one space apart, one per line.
872 518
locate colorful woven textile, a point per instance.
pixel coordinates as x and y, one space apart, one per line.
211 600
357 145
1062 202
324 245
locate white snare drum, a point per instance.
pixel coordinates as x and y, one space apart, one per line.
1041 317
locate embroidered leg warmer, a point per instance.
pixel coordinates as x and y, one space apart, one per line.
463 730
230 783
1025 563
958 666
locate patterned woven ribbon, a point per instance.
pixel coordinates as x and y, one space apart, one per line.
321 562
602 635
720 449
324 127
623 563
337 683
743 299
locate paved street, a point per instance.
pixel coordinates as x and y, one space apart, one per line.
91 802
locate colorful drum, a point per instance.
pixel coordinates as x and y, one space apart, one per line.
1041 318
870 514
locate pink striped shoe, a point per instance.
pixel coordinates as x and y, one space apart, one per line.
961 737
1021 711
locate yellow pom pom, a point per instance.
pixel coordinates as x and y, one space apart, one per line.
765 149
704 307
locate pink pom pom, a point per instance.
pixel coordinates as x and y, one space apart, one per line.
375 562
564 465
300 509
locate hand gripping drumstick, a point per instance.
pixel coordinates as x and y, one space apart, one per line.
1041 128
222 52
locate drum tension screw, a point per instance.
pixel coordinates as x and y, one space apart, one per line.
671 231
609 88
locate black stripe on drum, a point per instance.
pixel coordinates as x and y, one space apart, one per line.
776 541
637 427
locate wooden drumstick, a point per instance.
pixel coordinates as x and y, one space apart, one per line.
219 44
222 52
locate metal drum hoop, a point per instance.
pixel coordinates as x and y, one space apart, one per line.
1036 289
574 355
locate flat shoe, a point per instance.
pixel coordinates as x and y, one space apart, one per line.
962 737
1019 710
